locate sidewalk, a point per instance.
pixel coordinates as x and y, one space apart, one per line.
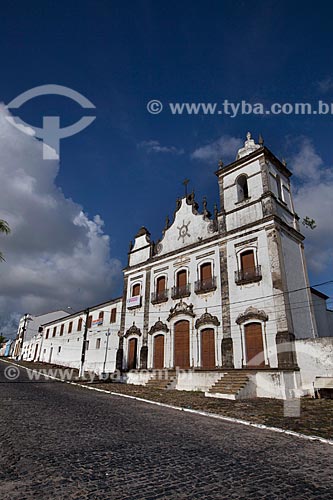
316 416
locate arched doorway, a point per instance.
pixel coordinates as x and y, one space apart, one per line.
158 361
208 348
182 344
132 354
254 345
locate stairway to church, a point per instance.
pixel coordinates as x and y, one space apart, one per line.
162 380
229 386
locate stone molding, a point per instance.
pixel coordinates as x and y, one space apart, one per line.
251 313
207 319
133 330
181 308
158 327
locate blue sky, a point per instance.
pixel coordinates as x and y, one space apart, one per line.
122 54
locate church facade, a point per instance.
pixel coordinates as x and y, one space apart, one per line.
222 290
220 293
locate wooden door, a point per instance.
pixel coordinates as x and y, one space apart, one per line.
132 349
254 345
158 361
208 348
182 344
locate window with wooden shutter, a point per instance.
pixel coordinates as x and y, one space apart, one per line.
79 325
47 333
247 260
62 329
70 327
89 323
182 279
206 272
113 315
54 331
160 284
136 290
101 317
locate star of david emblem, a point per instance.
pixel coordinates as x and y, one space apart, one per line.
183 230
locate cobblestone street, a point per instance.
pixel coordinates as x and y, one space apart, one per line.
65 442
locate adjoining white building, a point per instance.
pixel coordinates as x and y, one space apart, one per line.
29 334
221 296
63 338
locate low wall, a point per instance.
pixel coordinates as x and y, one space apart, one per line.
197 381
315 359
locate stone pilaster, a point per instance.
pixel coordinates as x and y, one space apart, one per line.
285 339
120 351
227 344
144 348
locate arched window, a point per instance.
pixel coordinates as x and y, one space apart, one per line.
242 188
161 293
279 187
136 290
160 285
206 282
181 279
247 261
248 270
206 271
182 288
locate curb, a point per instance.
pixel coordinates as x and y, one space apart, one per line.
187 410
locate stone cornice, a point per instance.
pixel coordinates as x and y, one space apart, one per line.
245 159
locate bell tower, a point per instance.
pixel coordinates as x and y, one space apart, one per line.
265 251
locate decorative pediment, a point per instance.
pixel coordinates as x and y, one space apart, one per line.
251 313
158 327
207 319
181 308
133 330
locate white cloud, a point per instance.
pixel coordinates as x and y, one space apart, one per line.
313 198
155 147
56 256
224 148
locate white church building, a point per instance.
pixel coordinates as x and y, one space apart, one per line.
220 300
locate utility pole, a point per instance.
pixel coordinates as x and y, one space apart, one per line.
83 353
108 333
21 337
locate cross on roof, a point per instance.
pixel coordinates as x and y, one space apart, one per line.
185 182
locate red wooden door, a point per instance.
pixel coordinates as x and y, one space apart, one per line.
182 344
158 361
254 345
132 348
207 348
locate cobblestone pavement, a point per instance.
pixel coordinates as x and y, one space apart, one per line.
65 442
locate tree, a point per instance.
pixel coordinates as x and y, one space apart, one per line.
4 228
2 339
311 223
